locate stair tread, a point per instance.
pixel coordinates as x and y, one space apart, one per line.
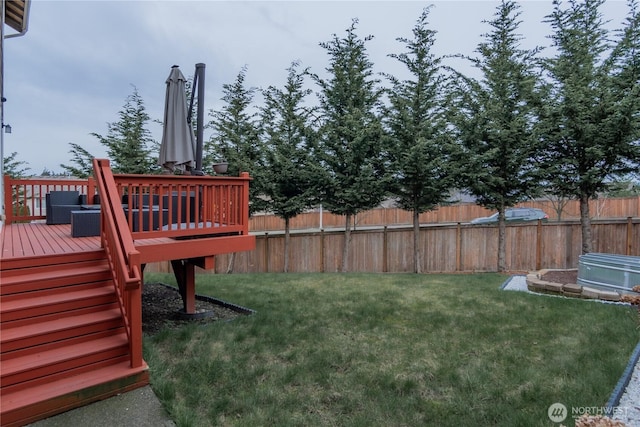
14 400
16 265
63 270
56 355
34 300
35 329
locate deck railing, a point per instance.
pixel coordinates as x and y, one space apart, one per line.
24 198
124 259
154 205
184 206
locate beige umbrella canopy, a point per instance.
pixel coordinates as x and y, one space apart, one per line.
178 142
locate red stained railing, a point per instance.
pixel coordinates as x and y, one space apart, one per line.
154 205
123 257
24 198
184 206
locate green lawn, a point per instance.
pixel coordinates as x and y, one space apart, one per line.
388 350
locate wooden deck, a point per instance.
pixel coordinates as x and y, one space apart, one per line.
38 239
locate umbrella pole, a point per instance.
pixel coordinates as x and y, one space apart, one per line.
199 79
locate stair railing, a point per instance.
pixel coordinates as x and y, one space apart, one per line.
124 258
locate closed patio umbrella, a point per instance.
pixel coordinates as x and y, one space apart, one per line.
178 142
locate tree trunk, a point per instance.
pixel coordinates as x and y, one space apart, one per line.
286 245
585 223
416 242
558 203
347 243
232 260
502 232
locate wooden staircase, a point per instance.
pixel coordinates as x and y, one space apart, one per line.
63 342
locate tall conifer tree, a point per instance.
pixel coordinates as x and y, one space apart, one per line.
496 121
83 161
235 139
288 141
592 119
420 145
235 136
128 141
351 144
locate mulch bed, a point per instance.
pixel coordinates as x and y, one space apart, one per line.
162 305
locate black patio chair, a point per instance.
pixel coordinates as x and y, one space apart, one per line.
60 204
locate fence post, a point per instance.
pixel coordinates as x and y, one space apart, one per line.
384 250
458 246
266 252
322 262
539 245
629 229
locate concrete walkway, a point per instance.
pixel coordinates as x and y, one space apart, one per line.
137 408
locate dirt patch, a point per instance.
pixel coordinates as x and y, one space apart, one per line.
561 276
162 305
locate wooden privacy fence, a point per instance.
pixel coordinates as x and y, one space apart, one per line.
462 212
445 248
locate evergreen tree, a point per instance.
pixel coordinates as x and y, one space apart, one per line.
288 143
128 142
421 146
83 161
236 140
623 187
592 123
350 148
496 121
47 172
236 136
13 167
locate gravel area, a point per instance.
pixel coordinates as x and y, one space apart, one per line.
628 407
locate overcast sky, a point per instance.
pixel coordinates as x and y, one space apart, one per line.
73 70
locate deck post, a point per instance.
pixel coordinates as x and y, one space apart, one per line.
135 321
7 202
245 203
184 271
91 190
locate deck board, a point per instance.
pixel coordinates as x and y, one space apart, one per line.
40 239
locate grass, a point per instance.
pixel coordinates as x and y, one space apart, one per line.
382 350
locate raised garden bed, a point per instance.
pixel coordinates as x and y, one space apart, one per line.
564 282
